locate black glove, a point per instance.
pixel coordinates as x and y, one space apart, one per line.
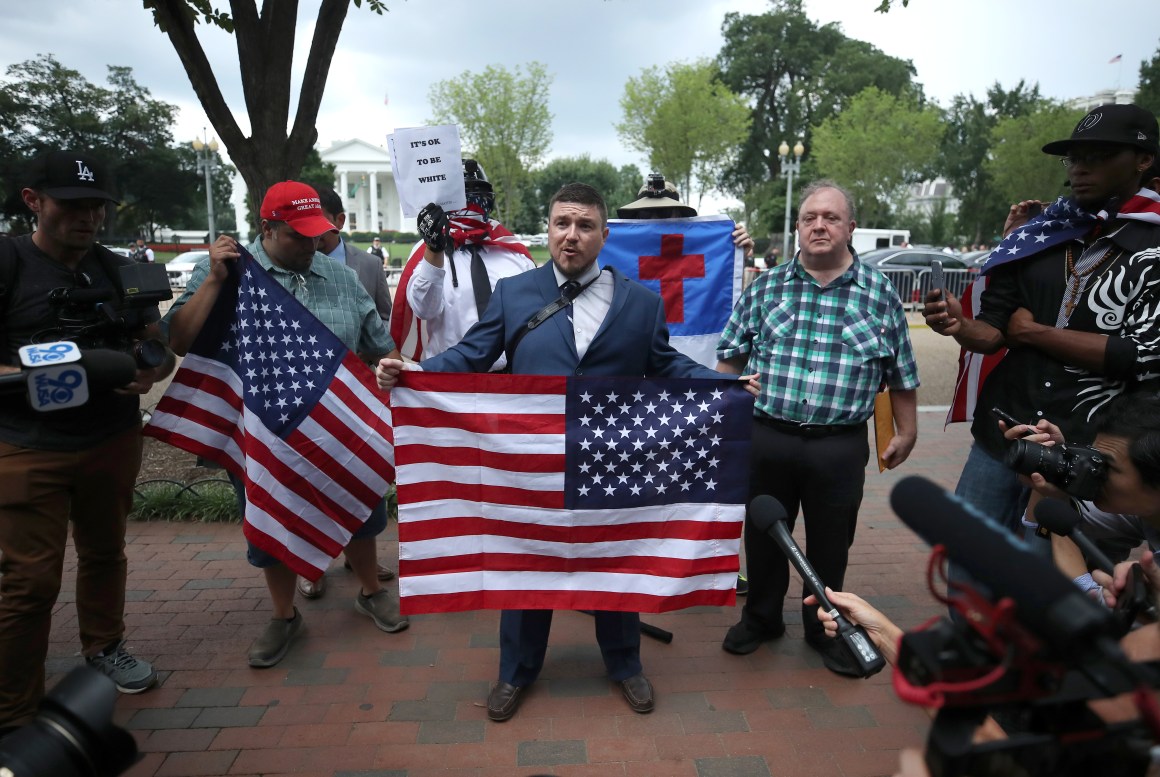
434 227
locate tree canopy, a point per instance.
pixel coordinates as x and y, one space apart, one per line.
45 105
1148 96
1017 165
686 121
876 146
503 121
265 42
794 74
618 186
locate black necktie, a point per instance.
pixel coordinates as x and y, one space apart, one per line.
570 290
479 282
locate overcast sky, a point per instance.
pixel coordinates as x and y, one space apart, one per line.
592 47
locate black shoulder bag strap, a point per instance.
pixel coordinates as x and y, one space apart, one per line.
567 296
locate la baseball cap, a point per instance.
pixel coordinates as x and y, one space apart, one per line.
70 175
298 205
1128 125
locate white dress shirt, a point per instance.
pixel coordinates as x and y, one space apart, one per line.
587 312
448 309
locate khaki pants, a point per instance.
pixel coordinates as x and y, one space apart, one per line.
40 493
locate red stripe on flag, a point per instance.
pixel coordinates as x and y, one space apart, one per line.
697 531
431 490
563 600
661 566
472 457
483 423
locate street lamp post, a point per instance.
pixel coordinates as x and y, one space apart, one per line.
207 163
789 168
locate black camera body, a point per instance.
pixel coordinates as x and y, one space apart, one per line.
95 318
1079 470
655 185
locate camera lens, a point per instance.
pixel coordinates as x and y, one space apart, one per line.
1026 457
149 354
72 734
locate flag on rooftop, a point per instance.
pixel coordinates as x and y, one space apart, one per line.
530 491
272 395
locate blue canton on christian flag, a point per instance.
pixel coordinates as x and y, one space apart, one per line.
693 264
272 395
544 491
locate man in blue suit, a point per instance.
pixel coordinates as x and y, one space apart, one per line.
604 324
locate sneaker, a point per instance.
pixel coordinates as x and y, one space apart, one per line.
129 673
835 655
271 647
742 584
742 639
383 608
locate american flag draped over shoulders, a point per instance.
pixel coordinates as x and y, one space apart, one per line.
552 492
407 330
272 395
1061 222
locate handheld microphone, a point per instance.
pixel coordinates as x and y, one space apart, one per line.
768 515
56 376
1068 622
1059 518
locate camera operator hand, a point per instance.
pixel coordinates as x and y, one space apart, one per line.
1042 433
881 630
1114 585
144 379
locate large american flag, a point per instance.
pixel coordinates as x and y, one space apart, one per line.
272 395
553 492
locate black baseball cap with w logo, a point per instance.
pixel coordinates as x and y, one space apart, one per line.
70 175
1128 125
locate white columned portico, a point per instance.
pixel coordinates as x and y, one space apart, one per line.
369 166
344 193
374 201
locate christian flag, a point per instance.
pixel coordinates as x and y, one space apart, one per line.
552 492
269 393
693 264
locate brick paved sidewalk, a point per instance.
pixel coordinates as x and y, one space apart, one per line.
351 700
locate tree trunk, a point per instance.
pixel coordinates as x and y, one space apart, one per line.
265 44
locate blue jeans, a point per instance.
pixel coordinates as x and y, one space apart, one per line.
993 489
259 558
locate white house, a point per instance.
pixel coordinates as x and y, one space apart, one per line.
366 182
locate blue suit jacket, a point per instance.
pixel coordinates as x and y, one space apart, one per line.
633 340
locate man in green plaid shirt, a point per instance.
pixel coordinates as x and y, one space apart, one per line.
824 332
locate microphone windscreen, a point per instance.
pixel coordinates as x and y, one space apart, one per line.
1046 600
764 512
107 369
1056 516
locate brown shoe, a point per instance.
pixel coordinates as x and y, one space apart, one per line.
383 574
503 701
638 692
311 590
271 646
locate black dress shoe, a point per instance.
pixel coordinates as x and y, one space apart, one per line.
835 655
742 639
638 692
503 701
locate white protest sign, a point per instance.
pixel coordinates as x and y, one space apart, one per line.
428 168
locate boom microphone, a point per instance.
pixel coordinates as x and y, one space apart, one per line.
1059 518
768 516
60 375
1067 621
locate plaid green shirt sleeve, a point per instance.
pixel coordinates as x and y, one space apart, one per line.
821 352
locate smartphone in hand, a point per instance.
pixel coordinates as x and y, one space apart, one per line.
1010 420
937 281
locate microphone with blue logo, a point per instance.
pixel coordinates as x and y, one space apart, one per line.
56 376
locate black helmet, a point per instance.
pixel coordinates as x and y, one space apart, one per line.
474 179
